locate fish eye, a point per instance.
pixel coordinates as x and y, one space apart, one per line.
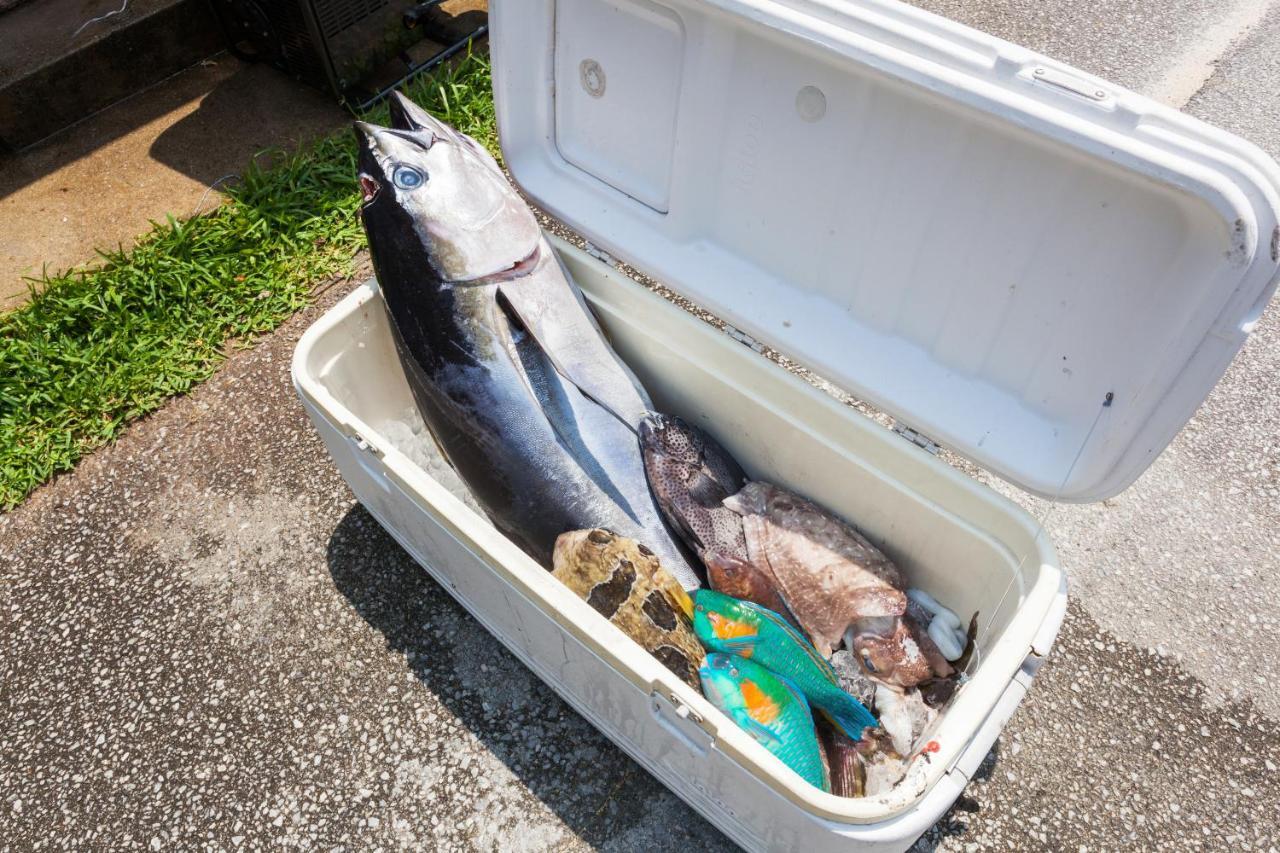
733 670
700 608
407 178
866 661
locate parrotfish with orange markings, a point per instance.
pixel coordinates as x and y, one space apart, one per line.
770 709
723 623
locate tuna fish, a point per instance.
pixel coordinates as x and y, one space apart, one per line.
508 367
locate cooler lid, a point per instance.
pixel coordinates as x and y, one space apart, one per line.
982 242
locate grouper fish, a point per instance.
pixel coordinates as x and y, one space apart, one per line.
513 376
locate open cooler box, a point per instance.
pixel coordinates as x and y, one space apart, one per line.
1025 264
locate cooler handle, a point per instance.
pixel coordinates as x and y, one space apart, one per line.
369 458
974 754
685 724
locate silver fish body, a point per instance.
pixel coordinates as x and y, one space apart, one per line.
487 325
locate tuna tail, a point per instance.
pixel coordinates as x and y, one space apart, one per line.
845 713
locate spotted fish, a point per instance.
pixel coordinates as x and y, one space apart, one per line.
625 583
829 574
691 475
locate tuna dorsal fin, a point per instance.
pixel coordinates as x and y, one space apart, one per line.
551 310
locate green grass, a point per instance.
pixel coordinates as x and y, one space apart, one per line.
96 348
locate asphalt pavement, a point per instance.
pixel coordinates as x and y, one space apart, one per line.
205 642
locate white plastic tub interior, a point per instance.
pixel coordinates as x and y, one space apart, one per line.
980 241
972 549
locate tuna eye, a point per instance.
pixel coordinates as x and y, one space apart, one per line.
408 178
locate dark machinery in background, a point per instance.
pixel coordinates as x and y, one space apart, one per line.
358 49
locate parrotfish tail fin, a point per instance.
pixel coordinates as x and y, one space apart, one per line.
848 715
819 661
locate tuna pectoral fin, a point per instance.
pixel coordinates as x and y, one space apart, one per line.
548 309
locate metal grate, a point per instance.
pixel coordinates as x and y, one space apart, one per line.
296 50
337 15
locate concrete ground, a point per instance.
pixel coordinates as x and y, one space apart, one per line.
205 642
99 183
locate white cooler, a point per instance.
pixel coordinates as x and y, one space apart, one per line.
1020 262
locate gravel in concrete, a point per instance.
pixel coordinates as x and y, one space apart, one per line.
1135 43
205 643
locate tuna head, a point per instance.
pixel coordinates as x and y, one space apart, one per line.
432 191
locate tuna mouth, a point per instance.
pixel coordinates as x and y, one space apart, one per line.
369 188
520 268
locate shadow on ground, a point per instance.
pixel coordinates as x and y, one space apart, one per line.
600 795
241 109
248 111
954 825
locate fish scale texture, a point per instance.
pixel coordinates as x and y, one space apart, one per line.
827 572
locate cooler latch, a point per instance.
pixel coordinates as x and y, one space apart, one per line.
686 724
1068 83
916 437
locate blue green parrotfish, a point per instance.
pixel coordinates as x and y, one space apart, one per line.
768 708
733 626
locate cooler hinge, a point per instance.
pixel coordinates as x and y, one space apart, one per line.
598 253
917 438
743 338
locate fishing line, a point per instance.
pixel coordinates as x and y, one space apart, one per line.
100 18
208 190
1040 529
